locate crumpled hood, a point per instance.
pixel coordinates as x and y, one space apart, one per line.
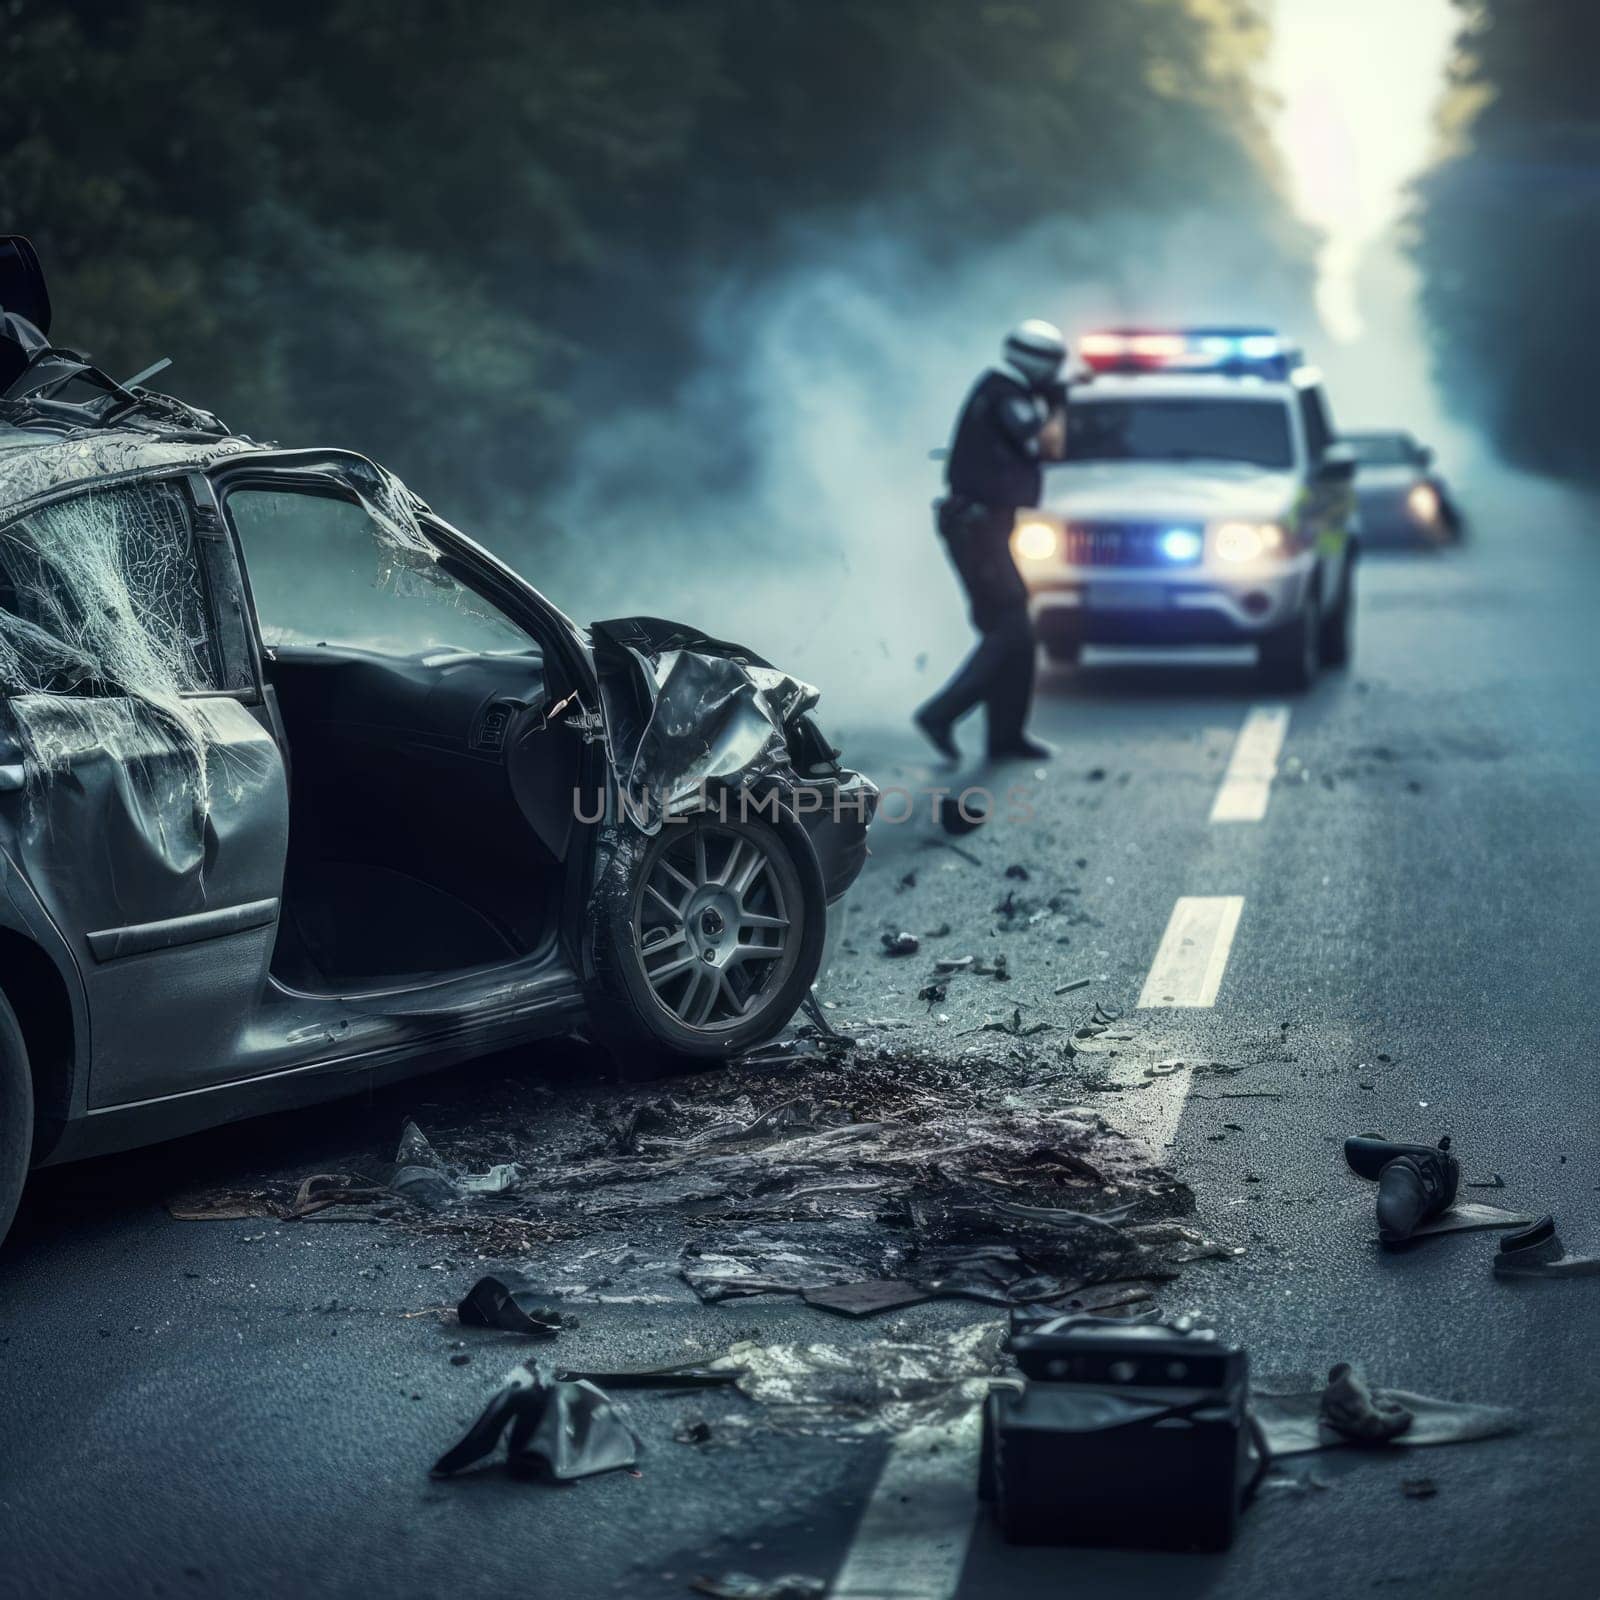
1155 490
683 710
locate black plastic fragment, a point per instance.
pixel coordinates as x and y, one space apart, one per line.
510 1304
560 1430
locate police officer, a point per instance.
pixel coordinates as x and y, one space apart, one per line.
1014 417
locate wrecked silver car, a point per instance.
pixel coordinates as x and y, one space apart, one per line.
301 789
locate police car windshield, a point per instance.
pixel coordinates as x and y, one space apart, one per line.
1171 428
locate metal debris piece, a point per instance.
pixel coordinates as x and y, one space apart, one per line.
953 964
1418 1488
558 1430
692 1376
867 1299
223 1205
1076 983
1493 1181
419 1175
511 1304
881 1386
901 943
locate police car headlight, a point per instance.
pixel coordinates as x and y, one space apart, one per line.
1423 502
1036 541
1246 541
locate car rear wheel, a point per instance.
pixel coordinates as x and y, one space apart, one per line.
1338 626
16 1115
1290 655
709 939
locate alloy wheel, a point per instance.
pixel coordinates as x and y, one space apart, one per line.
712 926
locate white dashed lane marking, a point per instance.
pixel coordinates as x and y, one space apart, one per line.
1247 784
911 1543
1193 954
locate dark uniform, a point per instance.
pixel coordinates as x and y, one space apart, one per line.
992 470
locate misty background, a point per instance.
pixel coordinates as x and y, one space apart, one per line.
668 302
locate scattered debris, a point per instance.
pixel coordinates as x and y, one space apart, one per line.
1075 983
901 944
883 1387
223 1205
1537 1252
741 1586
559 1430
1418 1488
1013 1026
908 880
1017 871
941 932
1416 1182
1294 1423
934 993
1350 1408
693 1430
508 1302
1493 1181
953 964
961 814
867 1298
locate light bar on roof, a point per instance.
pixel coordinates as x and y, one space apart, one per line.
1234 350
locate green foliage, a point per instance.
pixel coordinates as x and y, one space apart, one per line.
1507 229
445 232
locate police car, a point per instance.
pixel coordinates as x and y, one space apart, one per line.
1204 499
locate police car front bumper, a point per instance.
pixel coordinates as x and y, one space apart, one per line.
1203 605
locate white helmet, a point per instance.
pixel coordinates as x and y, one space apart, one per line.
1037 350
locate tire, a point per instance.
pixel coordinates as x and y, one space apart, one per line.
1290 655
16 1115
698 887
1338 627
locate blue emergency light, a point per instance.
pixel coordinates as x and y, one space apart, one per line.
1230 350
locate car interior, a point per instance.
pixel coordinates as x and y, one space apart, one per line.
431 804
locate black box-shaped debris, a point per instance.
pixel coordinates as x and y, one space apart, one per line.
1119 1435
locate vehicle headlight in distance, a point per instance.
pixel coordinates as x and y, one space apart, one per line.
1247 541
1035 540
1423 502
1181 544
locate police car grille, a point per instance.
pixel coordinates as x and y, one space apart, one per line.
1114 544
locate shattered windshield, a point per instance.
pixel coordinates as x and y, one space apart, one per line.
1173 429
326 571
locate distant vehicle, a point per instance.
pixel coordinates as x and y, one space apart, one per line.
302 790
1205 498
1401 498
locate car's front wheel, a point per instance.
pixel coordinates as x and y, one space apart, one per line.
709 936
16 1115
1290 655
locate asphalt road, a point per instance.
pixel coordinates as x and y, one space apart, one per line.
245 1408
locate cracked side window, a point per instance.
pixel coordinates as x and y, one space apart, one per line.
102 595
325 571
